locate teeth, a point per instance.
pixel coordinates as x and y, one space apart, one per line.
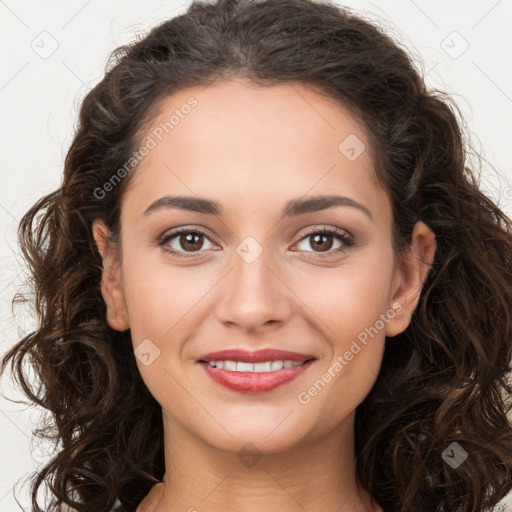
262 367
267 366
276 365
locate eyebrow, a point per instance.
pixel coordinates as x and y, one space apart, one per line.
292 208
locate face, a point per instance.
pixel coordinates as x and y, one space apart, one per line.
258 273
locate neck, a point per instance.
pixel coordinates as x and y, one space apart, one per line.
317 475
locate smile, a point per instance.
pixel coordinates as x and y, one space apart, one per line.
254 377
267 366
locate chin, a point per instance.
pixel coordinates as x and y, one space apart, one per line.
265 435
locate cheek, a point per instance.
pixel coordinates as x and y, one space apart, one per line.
351 307
162 305
348 301
161 299
165 306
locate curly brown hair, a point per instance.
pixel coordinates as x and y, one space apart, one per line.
444 379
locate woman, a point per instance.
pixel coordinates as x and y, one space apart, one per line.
200 349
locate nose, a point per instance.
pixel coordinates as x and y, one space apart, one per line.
253 293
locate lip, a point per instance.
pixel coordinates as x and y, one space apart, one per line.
254 382
258 356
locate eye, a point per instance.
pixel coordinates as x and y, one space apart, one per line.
322 240
190 239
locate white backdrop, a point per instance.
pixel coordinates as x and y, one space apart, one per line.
52 53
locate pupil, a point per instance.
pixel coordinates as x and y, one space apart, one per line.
189 239
322 246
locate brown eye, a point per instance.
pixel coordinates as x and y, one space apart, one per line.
183 240
191 241
323 240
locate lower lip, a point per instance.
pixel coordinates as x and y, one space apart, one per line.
254 382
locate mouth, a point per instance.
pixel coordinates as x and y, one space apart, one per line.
254 372
259 356
263 367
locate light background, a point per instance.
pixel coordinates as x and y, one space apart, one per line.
40 93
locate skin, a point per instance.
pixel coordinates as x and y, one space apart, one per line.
252 149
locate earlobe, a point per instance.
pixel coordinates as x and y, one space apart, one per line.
416 262
117 320
111 282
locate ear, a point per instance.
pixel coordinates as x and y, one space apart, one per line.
111 282
408 279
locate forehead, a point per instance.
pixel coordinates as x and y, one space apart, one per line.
237 137
285 116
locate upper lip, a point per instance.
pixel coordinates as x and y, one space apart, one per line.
258 356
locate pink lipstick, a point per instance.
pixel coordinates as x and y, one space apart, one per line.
254 372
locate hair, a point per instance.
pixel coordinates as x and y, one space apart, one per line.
444 379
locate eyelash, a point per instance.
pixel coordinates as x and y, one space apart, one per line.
346 239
